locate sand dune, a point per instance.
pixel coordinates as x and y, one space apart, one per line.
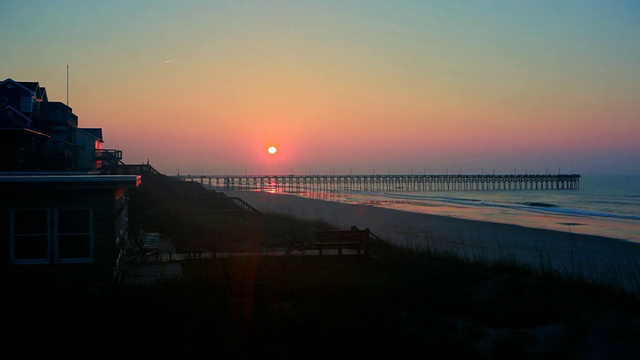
599 259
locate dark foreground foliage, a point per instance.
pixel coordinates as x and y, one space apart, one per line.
403 304
307 306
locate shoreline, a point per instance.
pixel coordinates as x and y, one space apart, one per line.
597 259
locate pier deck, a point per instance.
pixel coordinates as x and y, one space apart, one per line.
294 183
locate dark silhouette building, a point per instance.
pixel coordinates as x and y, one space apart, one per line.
38 134
63 215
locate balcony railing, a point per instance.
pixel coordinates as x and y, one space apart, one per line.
108 154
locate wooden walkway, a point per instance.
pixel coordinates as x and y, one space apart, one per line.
167 267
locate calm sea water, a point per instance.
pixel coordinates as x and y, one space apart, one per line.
604 205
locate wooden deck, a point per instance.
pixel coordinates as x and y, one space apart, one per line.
169 266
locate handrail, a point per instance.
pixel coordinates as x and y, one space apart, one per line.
245 206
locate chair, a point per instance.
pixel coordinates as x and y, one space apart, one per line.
148 245
294 245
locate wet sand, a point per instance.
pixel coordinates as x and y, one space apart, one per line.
595 258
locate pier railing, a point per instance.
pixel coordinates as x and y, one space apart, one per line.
293 183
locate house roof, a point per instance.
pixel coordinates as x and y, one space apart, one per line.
12 118
41 94
31 85
71 181
95 132
56 106
27 85
17 122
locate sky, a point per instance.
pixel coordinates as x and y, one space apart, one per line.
342 87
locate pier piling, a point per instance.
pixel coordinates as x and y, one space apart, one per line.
298 183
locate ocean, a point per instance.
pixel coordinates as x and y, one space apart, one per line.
603 205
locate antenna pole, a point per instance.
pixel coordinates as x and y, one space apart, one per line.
67 85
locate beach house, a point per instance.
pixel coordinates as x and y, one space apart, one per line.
64 229
63 218
37 134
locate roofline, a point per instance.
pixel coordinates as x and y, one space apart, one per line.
88 133
22 86
90 181
19 112
49 173
27 130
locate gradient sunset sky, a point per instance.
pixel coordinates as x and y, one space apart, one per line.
342 86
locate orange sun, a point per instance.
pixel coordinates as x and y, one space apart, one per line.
272 150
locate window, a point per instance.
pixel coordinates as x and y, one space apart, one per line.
73 235
26 103
32 234
30 240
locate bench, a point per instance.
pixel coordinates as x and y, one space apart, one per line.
354 239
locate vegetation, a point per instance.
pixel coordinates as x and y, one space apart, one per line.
195 218
404 303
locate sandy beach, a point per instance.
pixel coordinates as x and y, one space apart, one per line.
599 259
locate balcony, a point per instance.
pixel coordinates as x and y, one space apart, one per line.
108 154
108 157
61 155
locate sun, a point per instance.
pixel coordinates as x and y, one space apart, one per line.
272 150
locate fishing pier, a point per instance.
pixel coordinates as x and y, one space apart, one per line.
298 183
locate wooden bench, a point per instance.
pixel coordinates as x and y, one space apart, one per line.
354 239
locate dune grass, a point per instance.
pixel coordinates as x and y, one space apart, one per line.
413 301
407 300
402 303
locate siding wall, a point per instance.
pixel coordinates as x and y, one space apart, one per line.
106 244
